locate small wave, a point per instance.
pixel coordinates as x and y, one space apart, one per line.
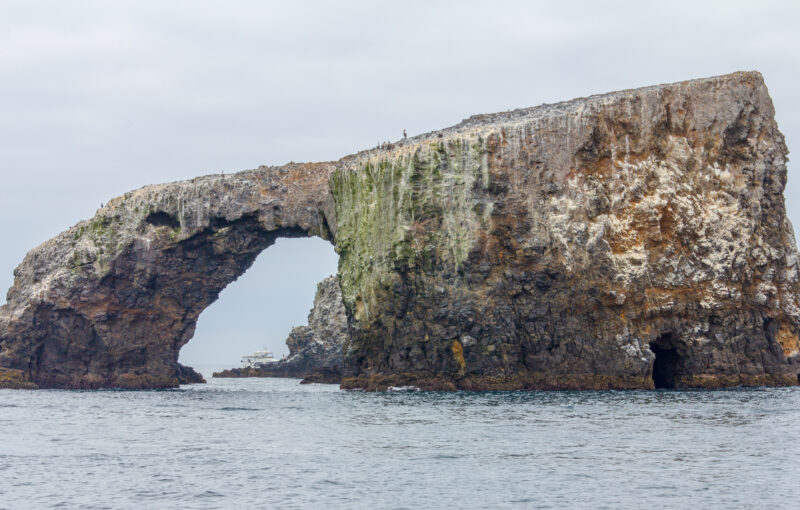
238 409
446 456
402 388
209 494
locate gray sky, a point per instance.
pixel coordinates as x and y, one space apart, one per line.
97 98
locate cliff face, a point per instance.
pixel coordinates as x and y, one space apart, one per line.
608 242
315 350
627 240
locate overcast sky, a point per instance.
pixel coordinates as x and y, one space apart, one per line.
97 98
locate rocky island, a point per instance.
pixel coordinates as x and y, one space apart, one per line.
635 239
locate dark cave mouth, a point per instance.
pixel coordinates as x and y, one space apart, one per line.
667 365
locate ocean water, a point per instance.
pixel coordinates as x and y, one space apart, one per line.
272 443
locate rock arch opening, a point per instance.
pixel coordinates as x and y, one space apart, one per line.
669 362
259 309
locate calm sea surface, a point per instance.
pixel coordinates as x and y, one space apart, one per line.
272 443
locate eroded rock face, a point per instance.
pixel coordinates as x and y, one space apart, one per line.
617 241
315 350
608 242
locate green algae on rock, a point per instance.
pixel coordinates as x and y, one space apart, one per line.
410 212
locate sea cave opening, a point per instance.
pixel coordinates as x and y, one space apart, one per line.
259 309
668 364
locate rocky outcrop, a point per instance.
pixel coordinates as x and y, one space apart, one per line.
628 240
315 350
619 241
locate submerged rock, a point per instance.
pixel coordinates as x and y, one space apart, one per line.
315 350
627 240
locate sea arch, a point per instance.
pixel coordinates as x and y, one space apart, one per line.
120 294
542 248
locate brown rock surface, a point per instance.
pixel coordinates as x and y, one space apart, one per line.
615 241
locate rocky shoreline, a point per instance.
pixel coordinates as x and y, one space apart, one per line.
326 375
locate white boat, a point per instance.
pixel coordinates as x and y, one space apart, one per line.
258 359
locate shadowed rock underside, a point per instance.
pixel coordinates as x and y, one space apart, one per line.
627 240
